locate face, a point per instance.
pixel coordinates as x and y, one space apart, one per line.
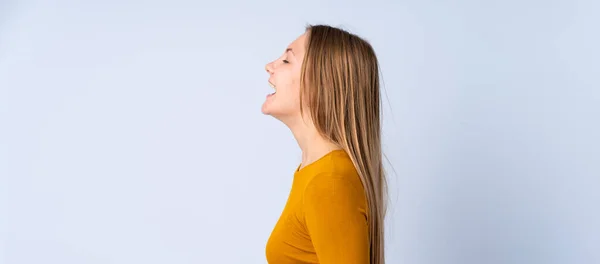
284 77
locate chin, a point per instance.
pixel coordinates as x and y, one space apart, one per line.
267 110
270 113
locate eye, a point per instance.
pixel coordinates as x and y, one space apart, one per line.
286 61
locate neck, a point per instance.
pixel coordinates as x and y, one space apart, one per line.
312 144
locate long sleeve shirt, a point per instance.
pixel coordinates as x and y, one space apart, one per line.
325 218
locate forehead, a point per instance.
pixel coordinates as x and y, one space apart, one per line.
298 45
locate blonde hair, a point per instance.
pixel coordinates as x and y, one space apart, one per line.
340 78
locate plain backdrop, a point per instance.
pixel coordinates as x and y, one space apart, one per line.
131 131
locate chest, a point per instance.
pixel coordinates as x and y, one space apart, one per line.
289 241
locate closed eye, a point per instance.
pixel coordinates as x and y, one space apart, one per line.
286 61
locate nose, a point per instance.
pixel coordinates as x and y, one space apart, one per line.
269 68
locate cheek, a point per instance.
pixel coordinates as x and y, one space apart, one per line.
294 81
289 85
288 97
288 78
296 84
296 74
289 74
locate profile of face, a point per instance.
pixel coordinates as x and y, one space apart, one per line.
284 77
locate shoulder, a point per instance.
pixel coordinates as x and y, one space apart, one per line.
341 186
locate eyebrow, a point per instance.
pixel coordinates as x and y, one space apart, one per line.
290 49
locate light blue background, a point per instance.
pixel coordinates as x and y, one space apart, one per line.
131 131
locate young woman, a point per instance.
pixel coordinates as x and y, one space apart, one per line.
327 92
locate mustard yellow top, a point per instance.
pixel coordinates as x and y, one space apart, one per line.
325 218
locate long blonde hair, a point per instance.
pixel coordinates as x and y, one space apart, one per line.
340 77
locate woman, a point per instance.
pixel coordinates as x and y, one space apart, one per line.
327 92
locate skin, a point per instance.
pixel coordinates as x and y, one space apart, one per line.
284 105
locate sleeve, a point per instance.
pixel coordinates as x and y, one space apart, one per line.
336 219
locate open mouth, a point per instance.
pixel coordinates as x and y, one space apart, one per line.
273 86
